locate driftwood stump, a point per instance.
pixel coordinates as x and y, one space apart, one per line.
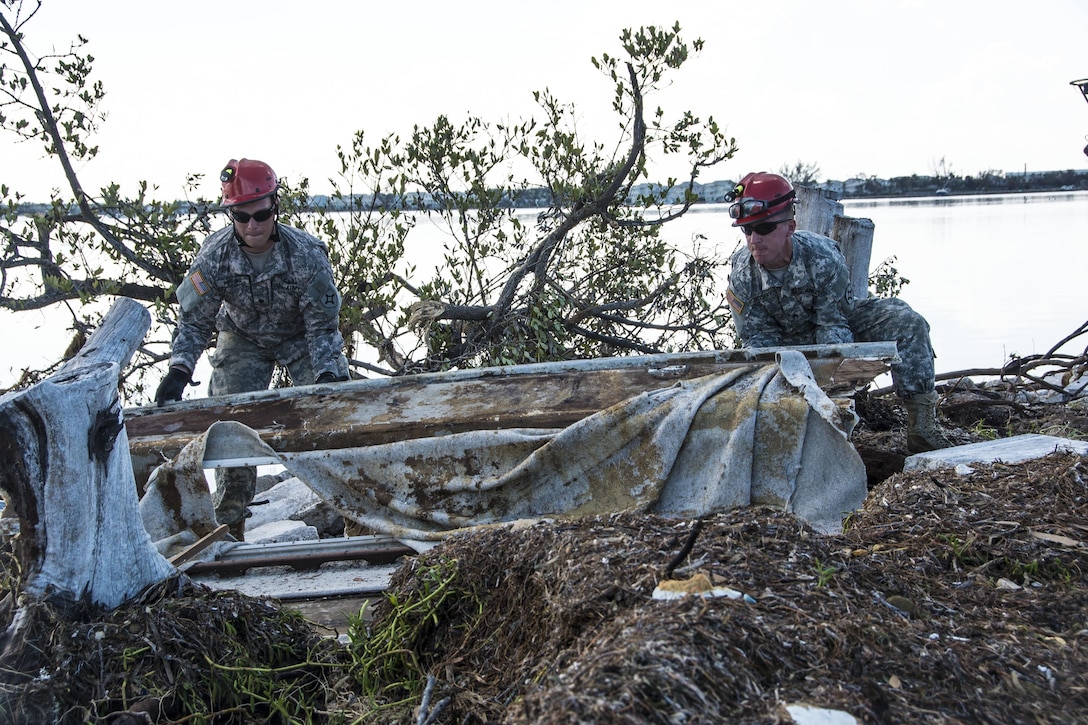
820 211
66 472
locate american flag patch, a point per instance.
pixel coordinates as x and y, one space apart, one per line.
735 302
199 284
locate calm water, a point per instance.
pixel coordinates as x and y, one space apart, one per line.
994 275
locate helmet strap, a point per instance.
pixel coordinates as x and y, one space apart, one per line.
785 197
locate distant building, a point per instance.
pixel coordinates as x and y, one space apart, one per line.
709 193
715 191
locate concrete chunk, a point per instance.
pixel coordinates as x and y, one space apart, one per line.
277 531
293 499
1007 450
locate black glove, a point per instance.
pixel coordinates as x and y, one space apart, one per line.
172 386
329 377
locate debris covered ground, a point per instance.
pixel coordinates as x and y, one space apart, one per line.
949 598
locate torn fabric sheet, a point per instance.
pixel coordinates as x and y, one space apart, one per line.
762 434
177 507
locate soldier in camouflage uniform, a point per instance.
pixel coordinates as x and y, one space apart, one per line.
268 290
789 287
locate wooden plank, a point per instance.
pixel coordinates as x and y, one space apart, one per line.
200 545
546 395
335 613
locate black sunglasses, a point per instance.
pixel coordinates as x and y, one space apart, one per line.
763 228
261 216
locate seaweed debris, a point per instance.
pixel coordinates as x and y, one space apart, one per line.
950 598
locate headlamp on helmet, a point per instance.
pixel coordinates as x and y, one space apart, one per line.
758 196
247 180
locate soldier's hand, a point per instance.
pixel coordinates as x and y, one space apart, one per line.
329 377
172 386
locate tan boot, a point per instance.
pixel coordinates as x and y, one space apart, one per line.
237 529
923 431
234 489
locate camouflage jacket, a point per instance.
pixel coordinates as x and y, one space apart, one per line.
810 304
292 308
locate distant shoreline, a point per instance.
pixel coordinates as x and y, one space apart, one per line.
710 193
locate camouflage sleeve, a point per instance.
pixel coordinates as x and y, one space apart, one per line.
832 304
321 315
199 301
755 327
758 329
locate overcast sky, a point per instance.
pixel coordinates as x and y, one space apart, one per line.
882 88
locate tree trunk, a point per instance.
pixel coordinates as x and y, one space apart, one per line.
66 472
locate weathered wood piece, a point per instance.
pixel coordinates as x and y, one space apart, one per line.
820 211
200 545
545 395
67 474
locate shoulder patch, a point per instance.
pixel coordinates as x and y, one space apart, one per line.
324 293
736 303
197 280
193 289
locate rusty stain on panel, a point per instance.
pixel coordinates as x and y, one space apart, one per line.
371 412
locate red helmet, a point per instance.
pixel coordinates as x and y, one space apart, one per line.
247 180
759 195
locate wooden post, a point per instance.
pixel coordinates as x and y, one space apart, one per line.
820 211
66 472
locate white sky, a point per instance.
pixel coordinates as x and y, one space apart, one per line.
882 88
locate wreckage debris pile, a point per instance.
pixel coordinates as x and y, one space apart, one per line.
957 599
180 650
948 599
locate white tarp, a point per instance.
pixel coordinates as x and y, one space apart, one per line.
764 434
